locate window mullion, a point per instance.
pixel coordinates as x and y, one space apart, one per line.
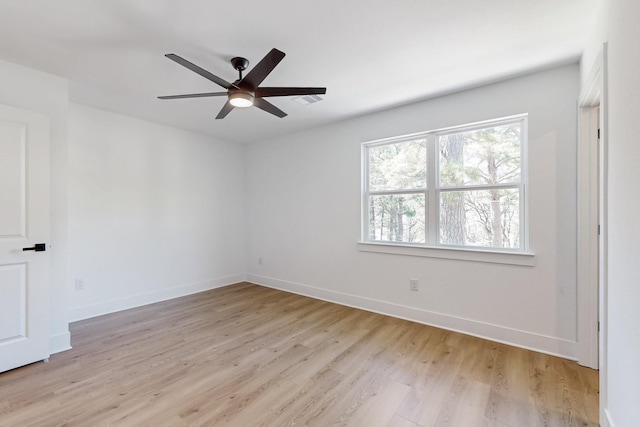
393 192
431 196
514 185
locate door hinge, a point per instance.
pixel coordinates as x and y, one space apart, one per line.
598 229
598 326
598 133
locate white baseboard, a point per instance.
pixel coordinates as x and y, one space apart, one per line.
527 340
112 306
607 421
60 342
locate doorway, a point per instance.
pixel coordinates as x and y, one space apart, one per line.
592 223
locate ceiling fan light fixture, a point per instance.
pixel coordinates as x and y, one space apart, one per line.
241 99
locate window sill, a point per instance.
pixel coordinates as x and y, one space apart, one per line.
461 254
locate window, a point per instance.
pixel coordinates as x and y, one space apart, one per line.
459 187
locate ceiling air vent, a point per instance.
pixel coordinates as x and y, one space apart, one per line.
307 99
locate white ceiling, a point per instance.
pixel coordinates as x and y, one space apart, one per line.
370 54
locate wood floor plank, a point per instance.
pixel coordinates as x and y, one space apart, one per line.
425 403
398 421
246 355
381 405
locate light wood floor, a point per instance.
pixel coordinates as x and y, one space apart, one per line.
245 355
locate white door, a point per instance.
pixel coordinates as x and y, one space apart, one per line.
24 222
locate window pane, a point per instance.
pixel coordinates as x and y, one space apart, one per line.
488 218
399 166
397 218
478 157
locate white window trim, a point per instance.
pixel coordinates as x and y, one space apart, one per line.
431 248
450 252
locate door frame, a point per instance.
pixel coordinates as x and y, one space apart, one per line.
592 221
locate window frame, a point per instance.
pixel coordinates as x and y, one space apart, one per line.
433 190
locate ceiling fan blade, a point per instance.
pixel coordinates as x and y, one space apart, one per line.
262 69
263 92
226 109
265 105
204 73
194 95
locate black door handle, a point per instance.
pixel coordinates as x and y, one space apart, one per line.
39 247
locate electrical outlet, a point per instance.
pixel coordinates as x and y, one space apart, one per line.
79 285
413 285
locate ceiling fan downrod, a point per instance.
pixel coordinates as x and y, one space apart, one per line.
240 64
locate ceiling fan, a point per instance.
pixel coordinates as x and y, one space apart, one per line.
246 91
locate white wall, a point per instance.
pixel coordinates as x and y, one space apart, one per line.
47 94
595 38
622 389
154 212
303 207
